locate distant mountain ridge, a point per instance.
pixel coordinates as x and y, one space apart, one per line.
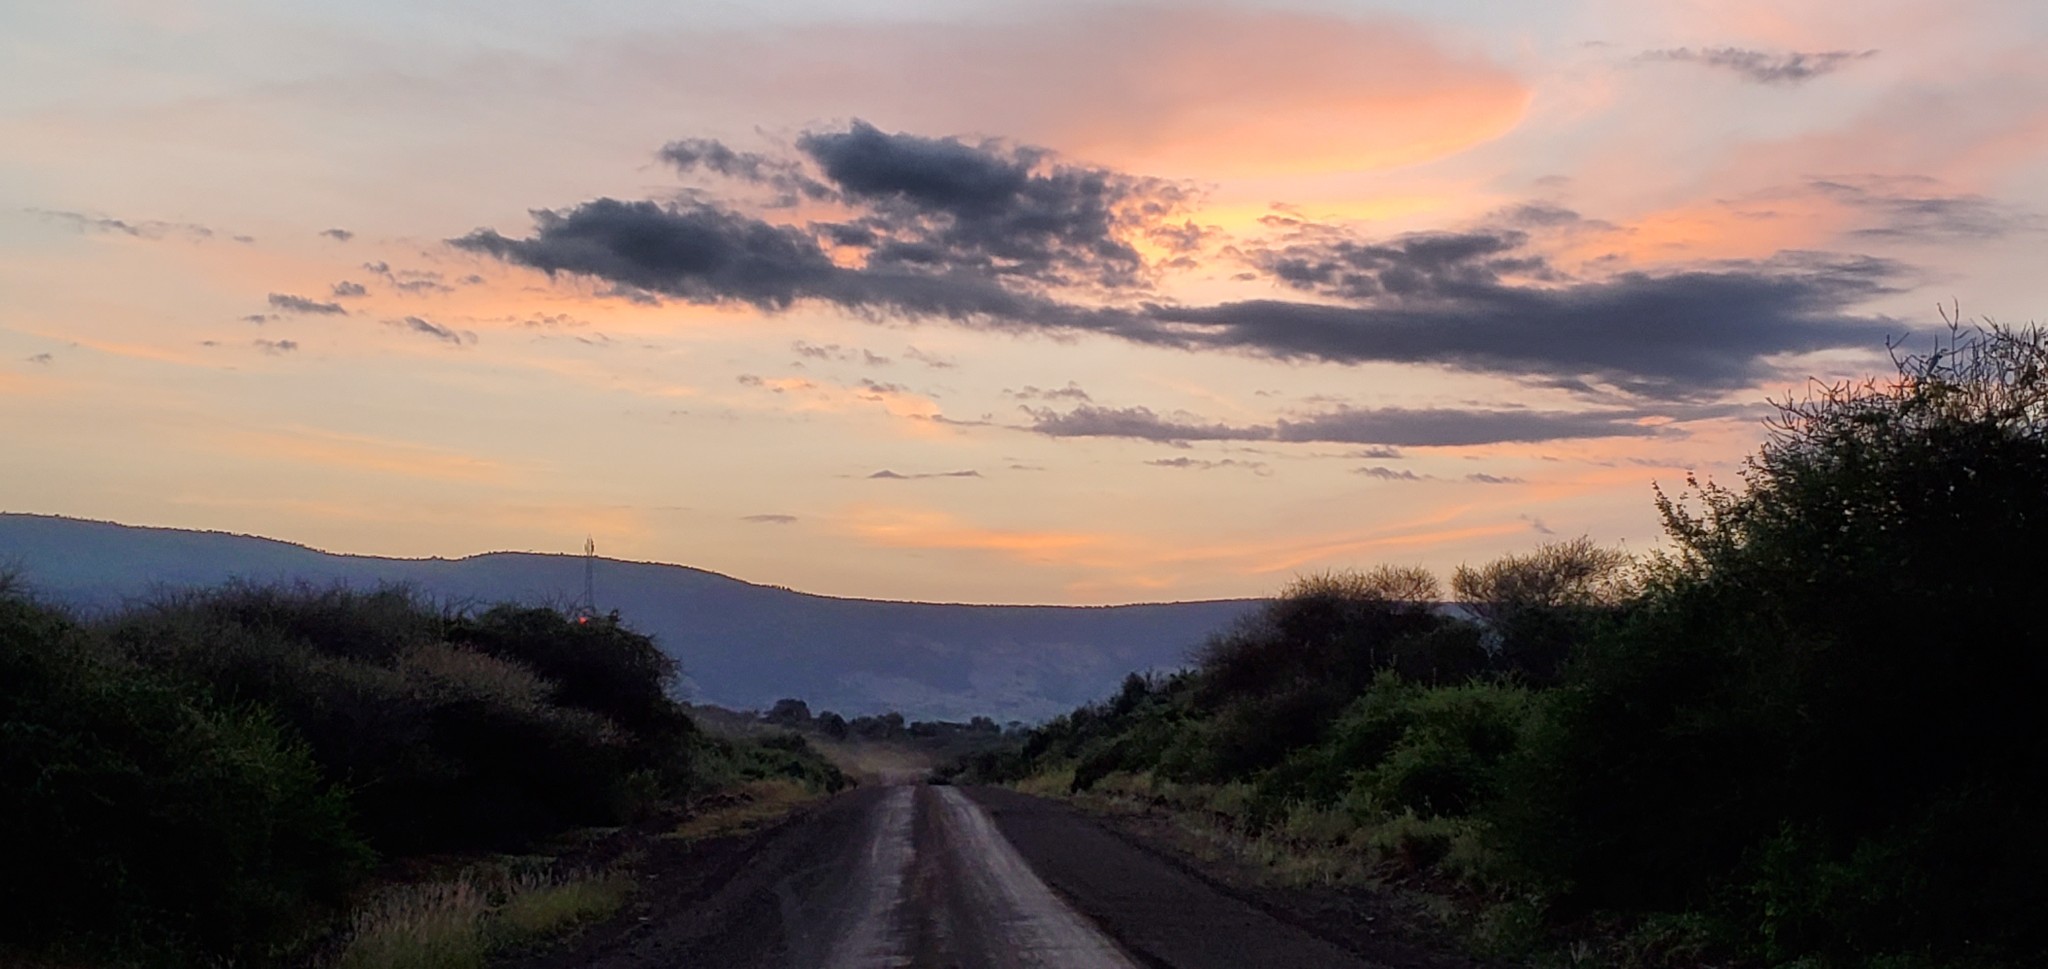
740 644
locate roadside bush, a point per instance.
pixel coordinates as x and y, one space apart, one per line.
141 822
723 762
1818 721
442 747
1406 748
597 664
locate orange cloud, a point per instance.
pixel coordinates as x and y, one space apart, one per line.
1326 93
1168 89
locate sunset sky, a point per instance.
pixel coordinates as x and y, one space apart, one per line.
973 301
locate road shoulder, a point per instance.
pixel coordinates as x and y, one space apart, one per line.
1173 908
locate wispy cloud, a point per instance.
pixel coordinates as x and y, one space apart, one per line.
137 229
932 360
1072 391
769 519
1918 208
1385 428
835 352
1764 67
288 303
428 328
888 475
1198 464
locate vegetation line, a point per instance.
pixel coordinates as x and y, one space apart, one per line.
1802 735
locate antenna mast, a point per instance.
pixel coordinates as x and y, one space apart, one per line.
589 578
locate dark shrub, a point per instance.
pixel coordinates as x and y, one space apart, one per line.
441 746
1822 716
139 821
596 664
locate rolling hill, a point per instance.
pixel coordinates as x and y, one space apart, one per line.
740 644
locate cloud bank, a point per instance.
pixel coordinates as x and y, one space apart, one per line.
1006 237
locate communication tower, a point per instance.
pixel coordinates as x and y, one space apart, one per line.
587 609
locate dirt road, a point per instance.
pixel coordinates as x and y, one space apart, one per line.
916 876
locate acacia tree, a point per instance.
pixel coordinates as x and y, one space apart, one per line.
1537 604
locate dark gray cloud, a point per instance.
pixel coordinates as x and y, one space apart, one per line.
876 390
923 208
991 207
770 519
1541 215
1536 525
1381 453
888 475
1389 474
1424 266
1764 67
346 290
1004 237
41 359
1672 335
276 347
1141 423
423 327
1389 427
338 235
1481 477
785 176
1452 427
690 251
287 303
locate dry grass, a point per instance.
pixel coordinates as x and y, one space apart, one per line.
548 910
457 924
1055 783
1308 846
744 808
435 925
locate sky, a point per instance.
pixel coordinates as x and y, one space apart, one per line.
981 302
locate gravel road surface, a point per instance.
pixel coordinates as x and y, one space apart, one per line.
925 876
